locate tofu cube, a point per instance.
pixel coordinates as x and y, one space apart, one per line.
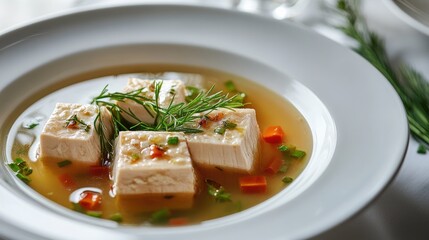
230 140
148 168
169 89
69 134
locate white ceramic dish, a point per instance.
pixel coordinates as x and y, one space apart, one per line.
358 123
413 12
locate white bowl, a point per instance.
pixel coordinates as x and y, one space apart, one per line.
358 123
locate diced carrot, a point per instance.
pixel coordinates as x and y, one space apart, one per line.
253 184
273 134
67 181
274 166
98 170
178 221
90 200
156 151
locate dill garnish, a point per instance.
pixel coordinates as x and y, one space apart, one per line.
412 87
175 117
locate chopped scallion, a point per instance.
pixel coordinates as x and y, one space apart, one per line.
14 167
283 148
173 140
287 179
31 125
117 217
220 130
298 154
229 125
96 214
23 178
217 191
230 86
160 217
21 169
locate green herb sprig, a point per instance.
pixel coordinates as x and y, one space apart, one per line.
217 191
180 117
412 87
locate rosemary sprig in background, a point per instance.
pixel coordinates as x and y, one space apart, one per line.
412 87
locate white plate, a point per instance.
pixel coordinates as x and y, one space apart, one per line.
357 120
413 12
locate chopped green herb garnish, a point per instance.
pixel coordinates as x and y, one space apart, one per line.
192 93
96 214
21 169
14 167
230 86
421 149
217 191
117 217
229 125
23 178
239 97
220 130
283 148
225 125
287 179
31 125
19 161
173 140
298 154
160 217
64 163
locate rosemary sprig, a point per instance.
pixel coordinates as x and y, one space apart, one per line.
106 145
412 87
180 117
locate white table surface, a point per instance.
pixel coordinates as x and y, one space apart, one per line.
402 210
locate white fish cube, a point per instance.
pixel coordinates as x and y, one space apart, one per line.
69 134
230 140
148 168
169 89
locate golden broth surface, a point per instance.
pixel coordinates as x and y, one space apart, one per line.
271 109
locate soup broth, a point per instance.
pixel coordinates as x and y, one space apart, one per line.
61 184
